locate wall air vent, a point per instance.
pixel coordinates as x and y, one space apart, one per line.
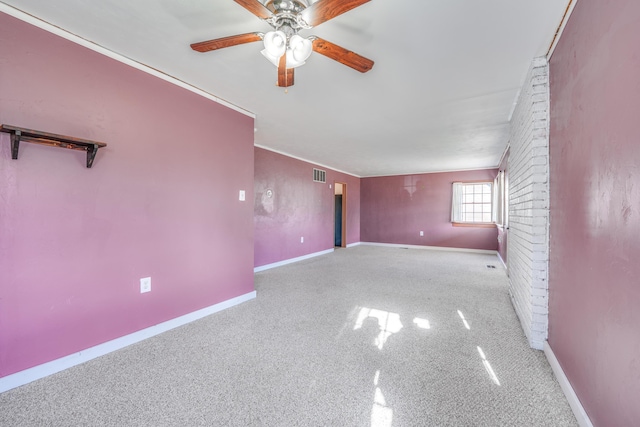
319 175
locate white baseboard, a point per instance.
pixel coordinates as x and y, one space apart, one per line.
565 385
291 260
350 245
49 368
431 248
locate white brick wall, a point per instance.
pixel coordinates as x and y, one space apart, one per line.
528 238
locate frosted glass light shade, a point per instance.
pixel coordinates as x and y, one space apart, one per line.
275 45
298 49
270 57
275 42
298 52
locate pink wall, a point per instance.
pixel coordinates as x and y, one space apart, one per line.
594 277
161 200
298 208
396 208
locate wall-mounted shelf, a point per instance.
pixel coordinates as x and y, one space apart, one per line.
45 138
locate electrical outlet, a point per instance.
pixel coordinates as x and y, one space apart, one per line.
302 240
145 285
422 233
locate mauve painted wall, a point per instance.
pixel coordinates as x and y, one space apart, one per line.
396 208
298 208
594 268
161 200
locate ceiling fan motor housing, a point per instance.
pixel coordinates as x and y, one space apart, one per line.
286 15
287 6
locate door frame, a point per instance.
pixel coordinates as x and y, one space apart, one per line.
344 212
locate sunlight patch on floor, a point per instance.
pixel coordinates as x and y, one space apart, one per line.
488 367
422 323
381 414
464 321
389 323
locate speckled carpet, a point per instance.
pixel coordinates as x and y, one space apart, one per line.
366 336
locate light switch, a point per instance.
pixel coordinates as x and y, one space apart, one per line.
241 197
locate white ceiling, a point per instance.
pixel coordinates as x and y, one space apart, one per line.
445 79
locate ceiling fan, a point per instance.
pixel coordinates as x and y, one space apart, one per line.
284 47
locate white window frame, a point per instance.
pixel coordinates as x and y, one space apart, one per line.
500 200
465 195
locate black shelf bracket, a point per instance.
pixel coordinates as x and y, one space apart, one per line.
38 137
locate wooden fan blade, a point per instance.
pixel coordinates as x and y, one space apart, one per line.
255 7
342 55
285 75
226 42
323 10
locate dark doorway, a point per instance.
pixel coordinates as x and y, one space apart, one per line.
338 221
340 218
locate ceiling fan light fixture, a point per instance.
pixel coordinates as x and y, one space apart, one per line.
275 42
299 51
291 61
283 47
274 60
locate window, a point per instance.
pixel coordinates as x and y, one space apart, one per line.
500 200
472 203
